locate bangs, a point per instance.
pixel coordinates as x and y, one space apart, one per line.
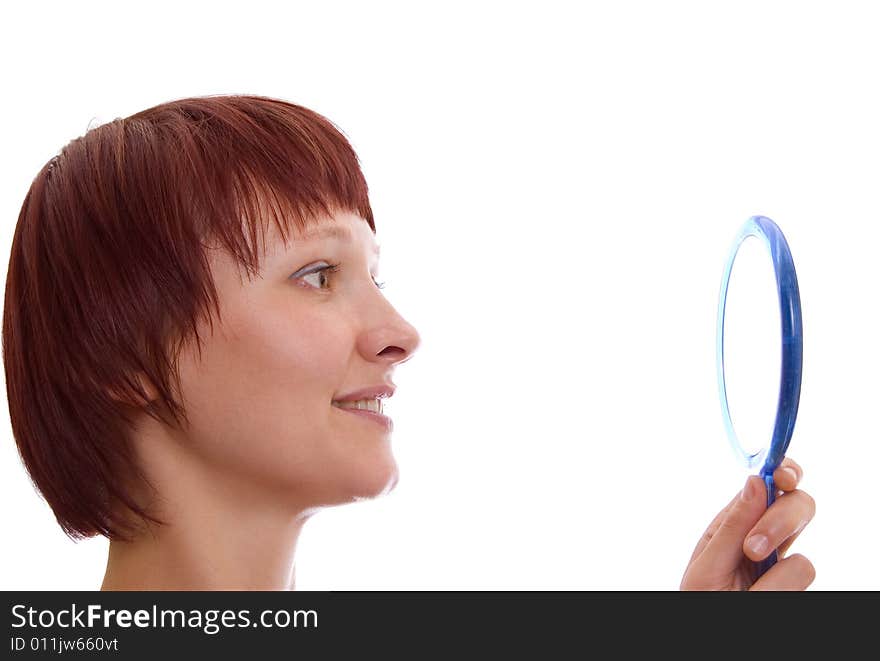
244 161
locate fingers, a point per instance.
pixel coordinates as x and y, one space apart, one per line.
781 523
712 528
792 573
787 475
724 549
747 530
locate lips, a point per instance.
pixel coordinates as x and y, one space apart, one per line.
381 391
367 403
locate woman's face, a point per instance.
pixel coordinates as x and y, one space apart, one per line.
291 342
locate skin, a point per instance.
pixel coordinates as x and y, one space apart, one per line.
723 558
265 449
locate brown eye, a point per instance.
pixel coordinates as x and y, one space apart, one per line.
320 276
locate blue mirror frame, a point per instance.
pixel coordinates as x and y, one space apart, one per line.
770 456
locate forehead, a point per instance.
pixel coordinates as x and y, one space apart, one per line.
349 228
344 228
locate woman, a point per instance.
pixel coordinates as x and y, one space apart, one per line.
197 351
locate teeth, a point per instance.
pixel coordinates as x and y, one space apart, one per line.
374 405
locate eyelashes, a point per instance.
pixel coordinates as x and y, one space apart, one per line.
323 272
326 274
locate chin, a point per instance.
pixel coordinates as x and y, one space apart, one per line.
343 479
378 480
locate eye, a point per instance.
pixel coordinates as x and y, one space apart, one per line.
320 275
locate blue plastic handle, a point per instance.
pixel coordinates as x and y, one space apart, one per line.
792 357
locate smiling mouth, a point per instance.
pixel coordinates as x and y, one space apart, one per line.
374 405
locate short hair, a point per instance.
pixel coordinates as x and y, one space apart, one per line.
108 276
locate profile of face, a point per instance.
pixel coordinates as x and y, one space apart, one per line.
312 328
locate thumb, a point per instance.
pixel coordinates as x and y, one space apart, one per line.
725 550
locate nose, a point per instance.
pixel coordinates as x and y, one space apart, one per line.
389 338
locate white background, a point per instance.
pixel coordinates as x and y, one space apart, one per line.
556 186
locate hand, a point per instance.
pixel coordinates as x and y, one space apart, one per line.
724 558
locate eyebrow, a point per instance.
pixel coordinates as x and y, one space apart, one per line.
333 232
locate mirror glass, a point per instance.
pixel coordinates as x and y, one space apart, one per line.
752 346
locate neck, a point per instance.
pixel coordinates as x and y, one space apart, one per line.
241 555
219 533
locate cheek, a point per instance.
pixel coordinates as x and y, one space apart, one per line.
302 349
259 399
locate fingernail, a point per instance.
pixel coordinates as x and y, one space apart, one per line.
792 472
757 544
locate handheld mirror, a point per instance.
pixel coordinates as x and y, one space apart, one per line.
759 351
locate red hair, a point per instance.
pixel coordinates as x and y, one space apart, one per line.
108 276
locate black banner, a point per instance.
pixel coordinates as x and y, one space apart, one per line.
131 625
